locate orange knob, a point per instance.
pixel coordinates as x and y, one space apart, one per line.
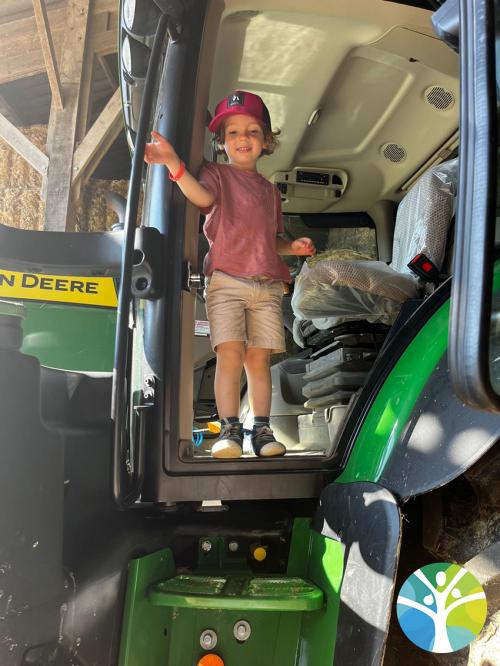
258 552
210 660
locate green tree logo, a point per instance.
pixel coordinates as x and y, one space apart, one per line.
441 607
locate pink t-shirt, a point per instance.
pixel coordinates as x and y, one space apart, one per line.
242 223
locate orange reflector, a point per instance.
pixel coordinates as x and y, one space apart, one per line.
210 660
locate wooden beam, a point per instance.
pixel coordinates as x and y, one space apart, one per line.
84 111
86 98
99 138
63 122
49 55
23 146
13 10
21 51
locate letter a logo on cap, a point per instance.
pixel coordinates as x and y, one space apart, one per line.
236 99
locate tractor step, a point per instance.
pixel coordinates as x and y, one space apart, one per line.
265 593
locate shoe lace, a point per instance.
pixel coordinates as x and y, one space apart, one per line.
264 434
230 430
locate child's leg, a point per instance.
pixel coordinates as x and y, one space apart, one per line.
226 314
258 371
230 357
257 368
265 334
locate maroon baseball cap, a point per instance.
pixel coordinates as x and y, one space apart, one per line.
240 102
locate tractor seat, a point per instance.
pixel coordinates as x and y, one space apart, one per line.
332 292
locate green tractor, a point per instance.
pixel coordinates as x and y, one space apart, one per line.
122 542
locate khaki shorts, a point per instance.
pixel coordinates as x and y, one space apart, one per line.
245 309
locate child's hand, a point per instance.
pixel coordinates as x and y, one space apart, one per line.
303 247
161 152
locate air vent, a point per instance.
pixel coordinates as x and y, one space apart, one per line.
440 98
393 152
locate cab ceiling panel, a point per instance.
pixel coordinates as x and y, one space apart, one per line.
386 88
289 59
386 109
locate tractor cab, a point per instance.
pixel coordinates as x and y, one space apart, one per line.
367 168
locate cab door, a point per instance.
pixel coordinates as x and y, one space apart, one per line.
155 342
164 87
474 325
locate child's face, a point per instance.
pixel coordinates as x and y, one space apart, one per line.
243 141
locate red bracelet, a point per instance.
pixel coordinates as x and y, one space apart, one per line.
179 174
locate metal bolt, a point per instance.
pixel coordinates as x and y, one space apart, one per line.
233 546
206 546
242 630
208 639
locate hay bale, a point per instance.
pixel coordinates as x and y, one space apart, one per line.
21 208
340 254
95 211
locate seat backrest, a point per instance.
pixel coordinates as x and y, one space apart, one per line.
424 217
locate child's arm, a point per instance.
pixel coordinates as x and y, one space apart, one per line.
162 152
300 247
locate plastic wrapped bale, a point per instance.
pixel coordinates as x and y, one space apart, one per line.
356 290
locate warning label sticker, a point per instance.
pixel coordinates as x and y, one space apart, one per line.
98 291
201 328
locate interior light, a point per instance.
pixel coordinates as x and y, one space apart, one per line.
129 7
126 55
140 18
135 57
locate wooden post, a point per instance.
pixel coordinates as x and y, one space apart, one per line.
84 111
63 122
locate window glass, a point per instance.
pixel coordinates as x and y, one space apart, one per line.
330 234
335 238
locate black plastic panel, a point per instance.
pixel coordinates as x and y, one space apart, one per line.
31 518
366 519
39 250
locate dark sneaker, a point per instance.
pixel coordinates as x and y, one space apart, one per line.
230 442
264 443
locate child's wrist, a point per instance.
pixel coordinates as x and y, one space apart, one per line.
176 175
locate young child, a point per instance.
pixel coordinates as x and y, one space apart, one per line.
245 275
